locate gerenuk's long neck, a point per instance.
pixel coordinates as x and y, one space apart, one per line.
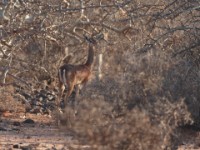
90 58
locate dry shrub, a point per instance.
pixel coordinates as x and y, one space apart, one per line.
98 126
139 109
7 101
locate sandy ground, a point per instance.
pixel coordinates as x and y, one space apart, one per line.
42 134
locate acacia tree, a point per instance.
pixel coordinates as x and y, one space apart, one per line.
35 34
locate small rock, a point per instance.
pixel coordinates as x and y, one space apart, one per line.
16 123
35 110
2 129
16 146
20 97
38 103
41 99
43 91
26 95
50 97
27 107
26 147
29 121
15 129
52 93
